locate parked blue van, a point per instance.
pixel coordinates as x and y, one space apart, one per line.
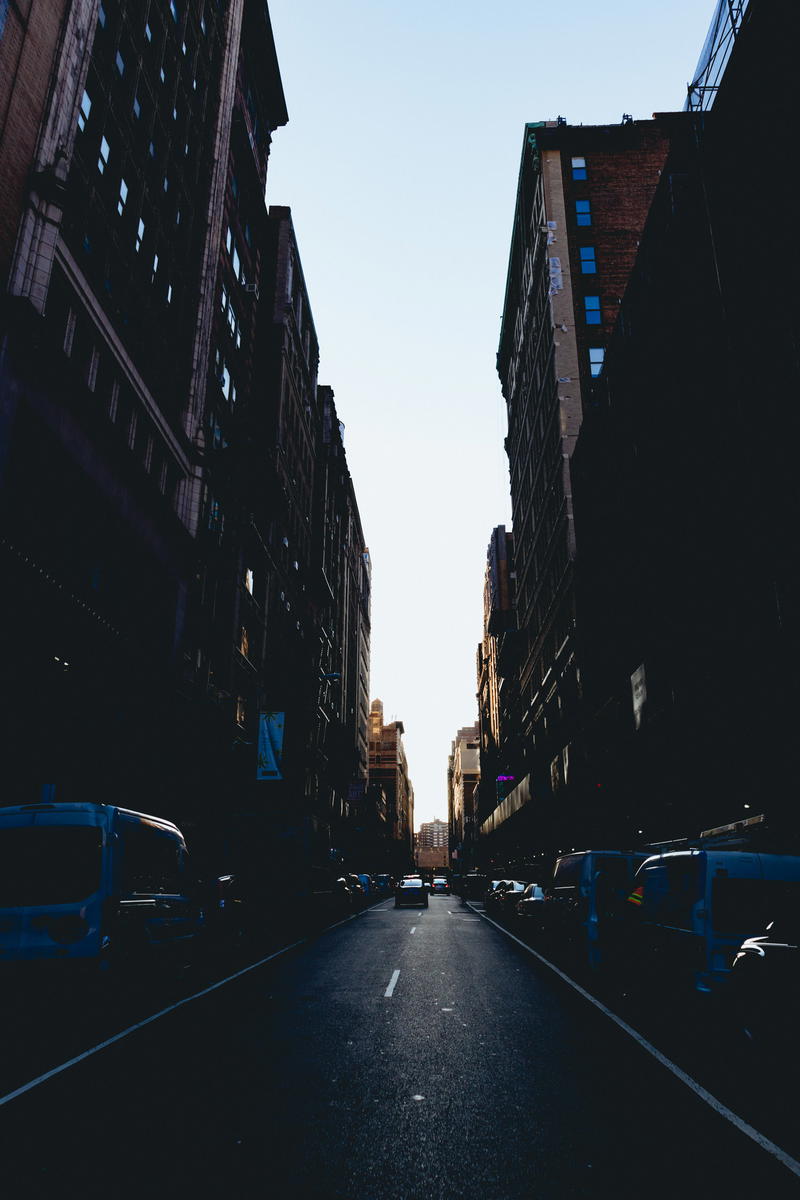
94 884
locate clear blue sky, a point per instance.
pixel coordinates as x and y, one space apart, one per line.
400 164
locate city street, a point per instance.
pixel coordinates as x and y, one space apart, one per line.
402 1054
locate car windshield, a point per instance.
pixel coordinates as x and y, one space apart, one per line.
48 864
411 883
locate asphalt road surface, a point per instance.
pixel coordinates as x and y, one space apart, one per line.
403 1055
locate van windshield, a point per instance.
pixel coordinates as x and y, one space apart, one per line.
48 864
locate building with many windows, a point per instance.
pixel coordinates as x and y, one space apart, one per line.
186 605
388 770
582 198
686 493
463 776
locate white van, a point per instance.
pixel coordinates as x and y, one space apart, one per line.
695 907
93 884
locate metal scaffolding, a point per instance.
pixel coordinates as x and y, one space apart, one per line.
726 24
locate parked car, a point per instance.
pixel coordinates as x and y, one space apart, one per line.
411 893
94 885
357 889
493 890
585 911
366 883
383 884
229 922
473 886
530 907
507 898
762 992
696 907
440 886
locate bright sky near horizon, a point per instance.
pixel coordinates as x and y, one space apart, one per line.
400 166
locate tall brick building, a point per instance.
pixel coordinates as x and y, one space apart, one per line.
388 771
582 198
685 474
463 777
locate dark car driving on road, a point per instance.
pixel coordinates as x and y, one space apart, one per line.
411 893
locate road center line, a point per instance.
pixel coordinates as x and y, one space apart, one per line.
392 983
722 1109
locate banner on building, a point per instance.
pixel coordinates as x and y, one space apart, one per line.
270 745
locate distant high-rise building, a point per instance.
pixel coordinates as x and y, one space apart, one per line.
432 834
388 769
463 776
497 742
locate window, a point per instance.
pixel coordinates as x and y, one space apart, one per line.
244 642
583 212
123 196
169 293
173 9
241 711
86 108
49 864
120 61
248 580
148 33
155 268
137 108
132 431
596 356
591 306
579 168
101 17
105 150
215 518
588 260
148 453
139 235
152 860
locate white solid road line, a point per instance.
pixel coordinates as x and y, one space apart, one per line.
722 1109
413 929
27 1087
392 983
32 1083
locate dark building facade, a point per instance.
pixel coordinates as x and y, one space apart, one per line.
686 491
494 702
582 198
111 293
184 564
